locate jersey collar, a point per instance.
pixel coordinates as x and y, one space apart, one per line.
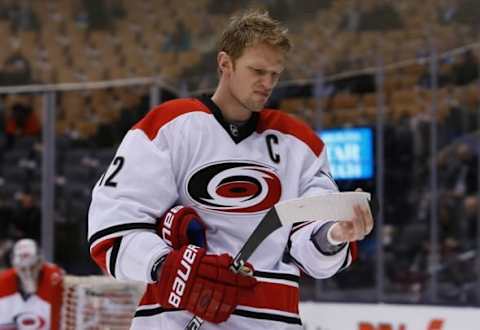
236 132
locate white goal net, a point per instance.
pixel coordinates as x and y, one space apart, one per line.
98 302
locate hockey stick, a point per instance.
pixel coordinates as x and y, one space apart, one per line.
334 206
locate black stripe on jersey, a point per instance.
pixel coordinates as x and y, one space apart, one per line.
298 263
281 276
113 256
155 311
244 313
288 258
268 316
299 225
118 228
345 261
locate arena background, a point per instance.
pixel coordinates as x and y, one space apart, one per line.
77 74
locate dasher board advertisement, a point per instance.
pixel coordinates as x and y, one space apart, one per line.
327 316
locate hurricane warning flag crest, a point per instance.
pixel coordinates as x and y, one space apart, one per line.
234 187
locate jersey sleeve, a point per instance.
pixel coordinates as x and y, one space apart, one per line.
137 188
316 180
8 288
50 289
306 255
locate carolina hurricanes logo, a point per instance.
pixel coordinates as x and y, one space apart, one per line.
240 187
29 321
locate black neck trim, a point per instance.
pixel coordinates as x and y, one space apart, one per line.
237 132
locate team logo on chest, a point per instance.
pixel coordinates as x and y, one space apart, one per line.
234 186
29 321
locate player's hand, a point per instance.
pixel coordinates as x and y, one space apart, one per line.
200 283
181 226
354 229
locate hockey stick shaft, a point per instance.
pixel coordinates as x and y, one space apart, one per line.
269 223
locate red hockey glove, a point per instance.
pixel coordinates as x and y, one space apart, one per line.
202 284
181 226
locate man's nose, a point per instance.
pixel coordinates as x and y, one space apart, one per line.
268 81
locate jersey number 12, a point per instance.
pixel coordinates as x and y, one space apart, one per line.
109 182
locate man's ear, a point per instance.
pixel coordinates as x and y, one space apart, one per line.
224 63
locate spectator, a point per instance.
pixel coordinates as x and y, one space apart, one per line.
22 16
460 173
5 248
30 291
458 178
116 8
2 118
98 15
5 9
5 218
470 209
466 71
22 121
26 218
459 117
16 70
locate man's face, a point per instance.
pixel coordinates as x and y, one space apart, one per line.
252 77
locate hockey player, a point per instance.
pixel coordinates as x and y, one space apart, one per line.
31 291
225 161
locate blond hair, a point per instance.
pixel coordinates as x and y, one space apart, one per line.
250 28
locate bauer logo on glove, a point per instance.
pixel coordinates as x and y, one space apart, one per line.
201 283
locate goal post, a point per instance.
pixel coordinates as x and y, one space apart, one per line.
98 302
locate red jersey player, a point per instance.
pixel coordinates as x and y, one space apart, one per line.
31 291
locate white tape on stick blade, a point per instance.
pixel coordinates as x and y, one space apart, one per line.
332 206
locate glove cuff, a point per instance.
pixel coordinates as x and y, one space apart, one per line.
181 226
156 268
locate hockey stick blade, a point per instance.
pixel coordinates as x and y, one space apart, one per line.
333 206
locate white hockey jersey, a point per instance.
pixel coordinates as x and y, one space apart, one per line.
184 152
